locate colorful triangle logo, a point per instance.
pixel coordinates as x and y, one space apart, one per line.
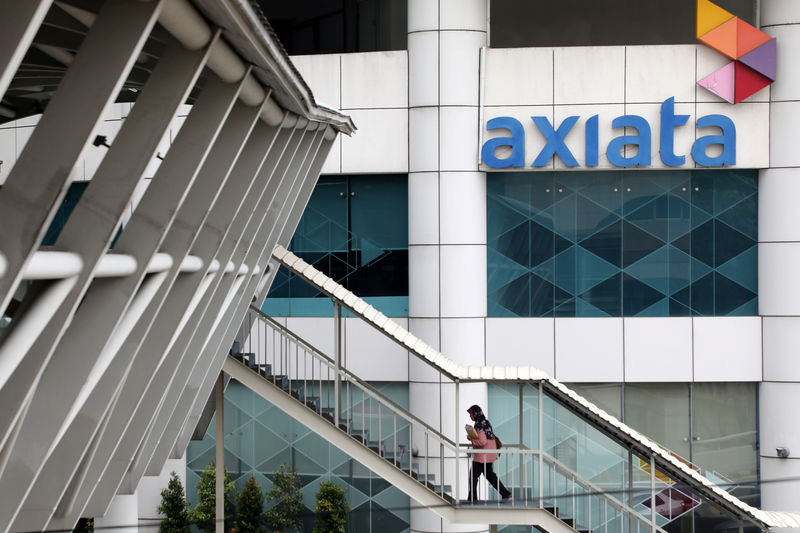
753 51
721 82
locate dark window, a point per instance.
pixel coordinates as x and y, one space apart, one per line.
355 230
74 193
521 23
338 26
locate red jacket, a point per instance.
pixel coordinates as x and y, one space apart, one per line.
483 443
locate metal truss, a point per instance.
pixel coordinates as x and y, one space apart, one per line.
113 337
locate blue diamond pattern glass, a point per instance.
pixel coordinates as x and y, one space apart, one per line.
622 243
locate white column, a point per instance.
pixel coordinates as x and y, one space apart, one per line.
778 264
447 211
122 515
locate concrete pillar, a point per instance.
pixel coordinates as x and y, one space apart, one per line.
447 212
778 265
122 515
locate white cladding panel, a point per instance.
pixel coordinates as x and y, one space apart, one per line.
371 355
589 349
380 143
658 349
727 348
521 342
643 64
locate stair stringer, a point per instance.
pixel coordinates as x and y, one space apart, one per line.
503 514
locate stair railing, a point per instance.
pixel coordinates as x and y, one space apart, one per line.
412 445
307 374
566 493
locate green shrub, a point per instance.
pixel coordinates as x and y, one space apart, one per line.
331 510
288 510
250 508
174 507
204 513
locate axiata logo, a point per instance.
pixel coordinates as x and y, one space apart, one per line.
753 53
556 145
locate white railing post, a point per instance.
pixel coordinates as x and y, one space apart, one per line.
653 494
337 346
541 444
630 488
457 440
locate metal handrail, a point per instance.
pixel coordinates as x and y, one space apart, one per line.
398 409
285 351
591 490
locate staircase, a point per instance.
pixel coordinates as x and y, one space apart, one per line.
584 470
415 457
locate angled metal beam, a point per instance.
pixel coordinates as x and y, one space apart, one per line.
107 299
102 491
18 27
71 504
293 219
38 181
150 352
94 220
181 391
274 225
206 323
198 385
56 474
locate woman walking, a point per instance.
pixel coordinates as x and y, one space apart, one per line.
483 438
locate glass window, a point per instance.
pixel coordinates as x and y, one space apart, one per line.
661 412
355 230
638 243
71 199
521 23
338 26
725 437
607 396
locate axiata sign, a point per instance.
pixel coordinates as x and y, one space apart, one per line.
555 141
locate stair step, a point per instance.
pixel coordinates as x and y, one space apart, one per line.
569 521
410 473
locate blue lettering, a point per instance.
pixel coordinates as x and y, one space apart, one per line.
516 142
727 140
642 141
592 142
669 121
555 144
555 141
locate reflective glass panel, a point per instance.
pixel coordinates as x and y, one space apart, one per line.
355 230
613 243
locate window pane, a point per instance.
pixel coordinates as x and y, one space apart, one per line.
725 435
336 26
519 23
635 243
660 411
355 230
607 396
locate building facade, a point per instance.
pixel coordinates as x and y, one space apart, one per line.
565 209
536 184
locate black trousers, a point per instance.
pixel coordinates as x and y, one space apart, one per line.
486 469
